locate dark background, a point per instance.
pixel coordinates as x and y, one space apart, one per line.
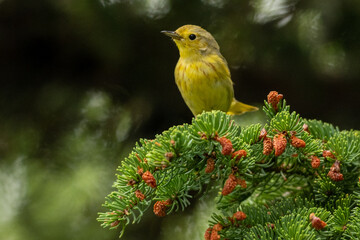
82 80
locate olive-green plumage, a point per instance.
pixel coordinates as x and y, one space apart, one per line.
202 74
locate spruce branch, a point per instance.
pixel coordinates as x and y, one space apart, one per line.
262 175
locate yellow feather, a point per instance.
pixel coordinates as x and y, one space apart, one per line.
237 108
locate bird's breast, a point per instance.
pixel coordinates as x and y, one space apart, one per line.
202 71
204 84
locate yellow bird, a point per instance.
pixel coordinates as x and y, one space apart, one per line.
202 74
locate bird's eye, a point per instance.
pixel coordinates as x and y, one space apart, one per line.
192 36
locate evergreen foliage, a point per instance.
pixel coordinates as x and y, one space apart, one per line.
299 177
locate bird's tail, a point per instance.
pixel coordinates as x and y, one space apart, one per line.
237 108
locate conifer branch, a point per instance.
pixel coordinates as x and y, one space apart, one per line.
279 164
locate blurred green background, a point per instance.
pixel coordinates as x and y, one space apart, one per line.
82 80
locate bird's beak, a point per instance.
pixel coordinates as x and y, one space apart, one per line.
172 34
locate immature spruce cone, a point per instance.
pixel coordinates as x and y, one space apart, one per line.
214 233
239 154
160 208
297 142
140 171
149 179
207 234
239 215
241 182
279 144
229 185
335 176
328 154
316 222
210 165
268 146
315 162
139 195
227 147
335 173
306 128
274 98
263 134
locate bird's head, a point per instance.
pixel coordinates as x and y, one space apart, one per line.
193 41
